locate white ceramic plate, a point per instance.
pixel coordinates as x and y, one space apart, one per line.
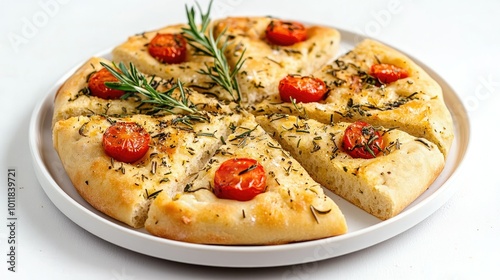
364 229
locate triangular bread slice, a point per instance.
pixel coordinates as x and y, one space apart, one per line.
414 104
293 208
382 186
124 191
74 98
266 64
135 50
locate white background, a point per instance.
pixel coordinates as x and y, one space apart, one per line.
41 40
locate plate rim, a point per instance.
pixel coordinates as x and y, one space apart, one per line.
248 256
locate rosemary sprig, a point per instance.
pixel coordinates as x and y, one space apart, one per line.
131 80
197 38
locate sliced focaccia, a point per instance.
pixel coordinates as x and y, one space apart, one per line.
230 139
381 86
76 97
269 57
382 180
137 50
269 198
120 179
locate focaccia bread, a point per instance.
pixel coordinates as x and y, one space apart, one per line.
267 63
293 207
122 190
382 186
235 148
413 104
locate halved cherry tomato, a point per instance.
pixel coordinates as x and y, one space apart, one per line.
361 140
126 141
387 73
302 89
168 48
285 33
98 88
239 179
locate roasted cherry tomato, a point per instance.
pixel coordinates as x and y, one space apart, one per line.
387 73
285 33
361 140
126 141
239 179
302 89
168 48
98 88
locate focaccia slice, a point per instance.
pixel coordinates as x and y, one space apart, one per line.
293 207
382 186
266 63
124 191
75 99
414 104
135 50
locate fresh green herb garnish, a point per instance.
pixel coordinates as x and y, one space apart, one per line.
133 81
220 71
